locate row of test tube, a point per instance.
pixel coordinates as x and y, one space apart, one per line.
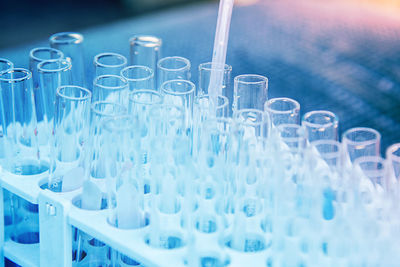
248 178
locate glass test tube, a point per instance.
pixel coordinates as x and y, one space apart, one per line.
374 168
393 165
204 82
125 201
20 125
181 94
36 56
360 142
320 124
52 74
70 138
145 50
250 91
71 44
283 110
138 77
330 151
172 68
111 88
109 63
5 64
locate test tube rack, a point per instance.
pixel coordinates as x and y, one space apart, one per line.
58 215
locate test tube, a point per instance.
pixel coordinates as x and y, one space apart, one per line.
204 82
138 77
360 142
293 136
374 168
145 50
320 124
172 68
393 166
330 151
52 74
20 125
70 43
5 64
125 200
100 111
111 88
283 110
70 138
250 92
254 122
181 94
36 56
109 63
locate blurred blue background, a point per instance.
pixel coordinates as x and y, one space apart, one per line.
339 55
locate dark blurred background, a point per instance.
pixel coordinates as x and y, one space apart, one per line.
29 20
338 55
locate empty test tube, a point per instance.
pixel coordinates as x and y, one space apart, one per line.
145 50
138 77
320 124
250 92
5 64
172 68
71 132
360 142
71 44
111 88
109 63
283 110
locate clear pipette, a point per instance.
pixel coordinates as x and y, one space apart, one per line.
219 51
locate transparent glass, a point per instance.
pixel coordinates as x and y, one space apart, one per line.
138 77
109 63
330 151
202 107
36 56
5 64
124 190
204 82
283 110
360 142
254 122
145 50
70 138
374 168
20 124
52 74
180 93
250 92
172 68
100 111
111 88
96 253
320 124
293 136
393 169
71 44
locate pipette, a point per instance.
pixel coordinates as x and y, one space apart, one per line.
219 51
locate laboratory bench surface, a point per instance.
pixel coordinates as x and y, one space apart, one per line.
335 56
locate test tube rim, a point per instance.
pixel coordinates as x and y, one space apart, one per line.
204 66
157 42
289 111
334 122
43 48
328 155
87 91
78 38
372 159
193 87
262 79
185 60
137 79
68 65
390 150
97 112
27 76
122 79
8 62
346 140
153 92
97 63
127 127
